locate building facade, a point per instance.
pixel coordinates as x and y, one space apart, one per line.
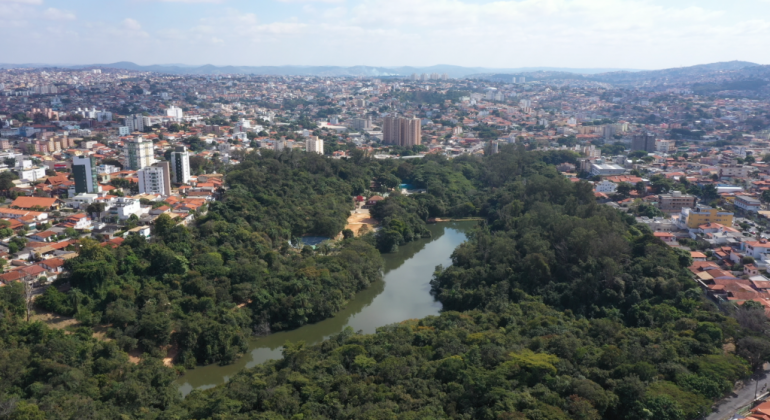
644 141
85 174
139 154
703 214
155 179
314 145
180 165
402 131
675 202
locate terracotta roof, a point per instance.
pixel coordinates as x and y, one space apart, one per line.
29 202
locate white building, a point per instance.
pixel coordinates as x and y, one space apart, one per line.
135 122
180 165
601 168
155 179
314 145
31 174
127 206
139 154
606 187
124 131
175 113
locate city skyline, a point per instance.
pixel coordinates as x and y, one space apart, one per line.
498 34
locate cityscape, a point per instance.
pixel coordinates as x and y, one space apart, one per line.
368 209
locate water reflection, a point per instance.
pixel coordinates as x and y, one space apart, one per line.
404 293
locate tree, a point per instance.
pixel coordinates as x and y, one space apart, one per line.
640 188
754 349
624 189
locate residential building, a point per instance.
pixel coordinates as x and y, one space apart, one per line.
139 154
756 249
703 214
314 145
155 179
126 207
605 187
85 174
401 131
675 202
175 113
734 171
644 141
180 165
750 204
135 122
665 146
361 124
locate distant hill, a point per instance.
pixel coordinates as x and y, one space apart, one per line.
366 71
741 70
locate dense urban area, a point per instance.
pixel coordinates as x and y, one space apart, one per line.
154 223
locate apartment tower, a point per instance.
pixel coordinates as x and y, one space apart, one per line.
401 131
139 154
180 165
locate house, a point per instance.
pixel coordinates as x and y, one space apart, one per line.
374 200
54 265
666 237
756 249
697 256
78 221
46 236
750 270
140 230
44 203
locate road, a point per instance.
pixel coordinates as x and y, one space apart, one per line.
740 398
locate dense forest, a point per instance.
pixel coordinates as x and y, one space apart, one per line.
556 308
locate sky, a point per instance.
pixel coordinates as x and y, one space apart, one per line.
630 34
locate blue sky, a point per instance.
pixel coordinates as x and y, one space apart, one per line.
643 34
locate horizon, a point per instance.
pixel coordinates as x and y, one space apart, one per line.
581 34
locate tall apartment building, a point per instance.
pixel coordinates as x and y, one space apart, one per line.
175 112
135 122
362 124
139 153
85 174
401 131
644 141
155 179
180 165
314 145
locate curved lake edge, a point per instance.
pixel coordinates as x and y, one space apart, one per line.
402 294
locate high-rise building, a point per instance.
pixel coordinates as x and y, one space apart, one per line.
180 165
643 141
155 179
139 153
84 171
175 112
362 123
135 122
401 131
314 145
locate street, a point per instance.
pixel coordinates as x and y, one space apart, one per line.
741 398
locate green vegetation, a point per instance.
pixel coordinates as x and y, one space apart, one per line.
556 307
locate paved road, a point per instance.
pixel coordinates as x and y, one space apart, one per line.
740 398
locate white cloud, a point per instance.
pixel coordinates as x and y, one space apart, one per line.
131 24
57 14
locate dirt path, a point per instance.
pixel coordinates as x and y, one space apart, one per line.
360 218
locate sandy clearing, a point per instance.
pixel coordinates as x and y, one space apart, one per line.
360 218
